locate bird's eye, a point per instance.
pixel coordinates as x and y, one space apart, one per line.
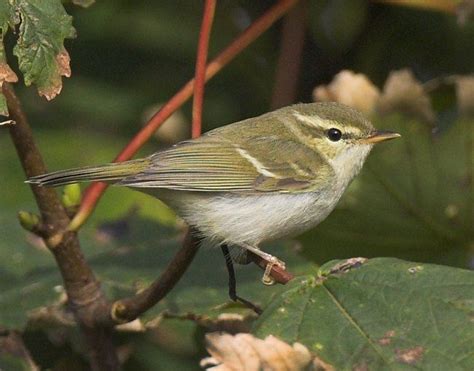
334 134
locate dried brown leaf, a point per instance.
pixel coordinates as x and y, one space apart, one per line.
246 352
403 93
349 88
7 74
63 69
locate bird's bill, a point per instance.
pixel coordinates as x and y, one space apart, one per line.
381 136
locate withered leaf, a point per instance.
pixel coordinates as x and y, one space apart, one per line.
349 88
403 93
246 352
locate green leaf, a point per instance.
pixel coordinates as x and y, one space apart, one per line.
414 199
5 17
385 314
44 24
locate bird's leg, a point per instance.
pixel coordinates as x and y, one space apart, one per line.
272 261
233 284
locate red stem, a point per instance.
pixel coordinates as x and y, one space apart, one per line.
201 60
95 191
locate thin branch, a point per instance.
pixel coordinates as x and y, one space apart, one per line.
201 59
279 274
95 191
128 309
289 61
82 287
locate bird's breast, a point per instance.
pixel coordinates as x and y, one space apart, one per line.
256 218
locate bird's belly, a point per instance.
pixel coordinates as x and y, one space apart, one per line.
252 219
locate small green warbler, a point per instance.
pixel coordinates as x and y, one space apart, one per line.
252 181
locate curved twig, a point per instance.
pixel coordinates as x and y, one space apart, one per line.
128 309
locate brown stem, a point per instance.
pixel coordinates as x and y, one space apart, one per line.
83 289
289 61
128 309
201 59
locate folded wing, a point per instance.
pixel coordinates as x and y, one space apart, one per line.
214 163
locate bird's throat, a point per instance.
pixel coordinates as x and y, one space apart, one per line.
348 163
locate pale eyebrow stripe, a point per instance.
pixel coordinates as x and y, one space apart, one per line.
308 120
322 124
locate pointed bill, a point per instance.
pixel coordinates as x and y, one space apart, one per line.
380 136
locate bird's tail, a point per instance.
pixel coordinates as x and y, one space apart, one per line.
103 173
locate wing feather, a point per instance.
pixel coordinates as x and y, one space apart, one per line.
215 163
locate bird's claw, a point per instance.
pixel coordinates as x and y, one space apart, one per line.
267 278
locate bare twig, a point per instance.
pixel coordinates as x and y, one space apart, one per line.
201 59
95 191
82 287
279 274
128 309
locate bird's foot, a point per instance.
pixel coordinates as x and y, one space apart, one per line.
271 260
267 278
